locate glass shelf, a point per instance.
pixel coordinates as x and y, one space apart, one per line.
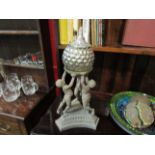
23 66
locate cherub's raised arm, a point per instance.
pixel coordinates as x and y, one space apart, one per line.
63 76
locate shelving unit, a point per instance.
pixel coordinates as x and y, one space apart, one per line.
17 38
23 66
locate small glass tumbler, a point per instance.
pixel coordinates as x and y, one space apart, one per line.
13 81
29 87
9 92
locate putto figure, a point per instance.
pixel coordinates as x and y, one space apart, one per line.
75 110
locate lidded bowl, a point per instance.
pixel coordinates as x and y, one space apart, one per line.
78 56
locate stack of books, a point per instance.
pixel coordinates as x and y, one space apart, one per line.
93 30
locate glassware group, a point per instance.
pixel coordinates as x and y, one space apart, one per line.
10 88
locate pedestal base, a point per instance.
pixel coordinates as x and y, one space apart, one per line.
77 119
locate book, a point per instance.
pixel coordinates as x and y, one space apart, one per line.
96 43
63 31
93 32
86 29
103 32
96 32
100 32
70 30
139 32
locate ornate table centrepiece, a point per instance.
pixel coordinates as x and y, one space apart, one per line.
75 110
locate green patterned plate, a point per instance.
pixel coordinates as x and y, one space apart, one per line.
116 107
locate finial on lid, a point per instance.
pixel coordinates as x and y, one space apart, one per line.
80 32
80 41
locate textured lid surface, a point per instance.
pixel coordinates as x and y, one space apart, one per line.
78 56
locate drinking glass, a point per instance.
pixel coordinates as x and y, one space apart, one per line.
13 81
29 87
9 92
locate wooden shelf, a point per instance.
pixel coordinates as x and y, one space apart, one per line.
23 66
19 32
122 49
21 106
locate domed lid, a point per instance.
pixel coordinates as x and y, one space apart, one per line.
80 42
78 56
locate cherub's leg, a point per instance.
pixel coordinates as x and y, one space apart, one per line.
91 110
60 106
68 104
86 103
85 100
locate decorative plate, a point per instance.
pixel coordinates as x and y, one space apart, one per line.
117 106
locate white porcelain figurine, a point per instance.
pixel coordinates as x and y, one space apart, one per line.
74 109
